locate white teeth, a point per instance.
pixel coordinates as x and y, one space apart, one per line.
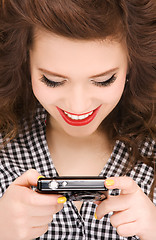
74 117
80 117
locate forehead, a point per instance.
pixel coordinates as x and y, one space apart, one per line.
50 49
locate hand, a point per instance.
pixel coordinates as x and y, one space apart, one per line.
24 213
133 211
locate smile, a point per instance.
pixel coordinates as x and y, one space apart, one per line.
78 119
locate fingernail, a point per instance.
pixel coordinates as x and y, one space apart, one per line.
95 215
61 199
109 182
40 177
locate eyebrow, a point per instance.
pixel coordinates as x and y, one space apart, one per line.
54 74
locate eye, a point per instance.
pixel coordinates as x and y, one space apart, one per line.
105 83
51 83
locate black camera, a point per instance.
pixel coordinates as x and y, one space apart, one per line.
74 188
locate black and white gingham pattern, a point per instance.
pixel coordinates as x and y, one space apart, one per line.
30 150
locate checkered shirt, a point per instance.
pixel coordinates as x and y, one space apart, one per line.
30 150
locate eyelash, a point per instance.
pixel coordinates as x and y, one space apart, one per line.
51 83
105 83
54 84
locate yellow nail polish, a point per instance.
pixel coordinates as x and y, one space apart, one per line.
61 199
109 182
40 177
95 215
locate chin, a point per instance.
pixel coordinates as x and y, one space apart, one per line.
80 132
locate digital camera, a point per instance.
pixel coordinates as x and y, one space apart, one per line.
74 188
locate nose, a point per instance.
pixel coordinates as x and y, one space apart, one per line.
79 100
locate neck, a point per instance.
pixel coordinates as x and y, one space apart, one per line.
78 155
96 139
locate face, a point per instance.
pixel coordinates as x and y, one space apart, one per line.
78 82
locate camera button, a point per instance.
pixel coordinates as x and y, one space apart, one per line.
64 184
53 185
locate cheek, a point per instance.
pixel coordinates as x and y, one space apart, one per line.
110 99
112 95
43 94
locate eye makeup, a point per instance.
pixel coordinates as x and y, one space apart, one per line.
54 84
50 83
105 83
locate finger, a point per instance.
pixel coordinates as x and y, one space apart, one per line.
127 230
123 217
38 231
37 199
40 221
42 211
33 199
126 184
27 179
113 203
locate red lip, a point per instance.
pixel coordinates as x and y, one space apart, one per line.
78 122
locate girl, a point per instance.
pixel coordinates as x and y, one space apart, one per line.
78 98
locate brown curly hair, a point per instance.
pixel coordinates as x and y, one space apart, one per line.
132 21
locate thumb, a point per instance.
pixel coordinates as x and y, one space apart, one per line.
27 179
